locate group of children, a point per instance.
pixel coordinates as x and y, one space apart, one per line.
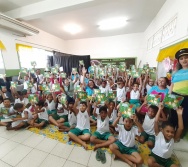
76 117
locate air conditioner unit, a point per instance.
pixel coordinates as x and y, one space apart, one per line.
16 26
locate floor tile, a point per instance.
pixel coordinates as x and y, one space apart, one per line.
2 140
181 146
79 155
33 159
16 155
3 164
93 162
8 134
52 160
118 163
182 157
33 140
46 145
62 150
22 136
6 147
72 164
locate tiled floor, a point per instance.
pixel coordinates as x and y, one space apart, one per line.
26 149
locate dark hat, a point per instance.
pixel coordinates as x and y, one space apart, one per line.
181 52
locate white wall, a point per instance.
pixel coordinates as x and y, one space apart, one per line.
166 13
43 40
129 45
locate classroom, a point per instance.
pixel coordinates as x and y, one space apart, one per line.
87 83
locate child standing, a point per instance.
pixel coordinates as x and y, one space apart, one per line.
81 133
124 147
102 136
161 153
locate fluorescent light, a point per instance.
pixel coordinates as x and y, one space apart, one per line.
112 23
72 28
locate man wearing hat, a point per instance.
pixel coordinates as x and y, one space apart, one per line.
179 87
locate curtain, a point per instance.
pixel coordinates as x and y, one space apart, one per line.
68 61
171 50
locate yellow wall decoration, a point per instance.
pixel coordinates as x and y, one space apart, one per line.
2 47
171 50
18 46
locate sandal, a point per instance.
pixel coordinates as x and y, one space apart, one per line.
103 157
98 154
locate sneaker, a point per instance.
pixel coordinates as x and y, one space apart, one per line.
103 157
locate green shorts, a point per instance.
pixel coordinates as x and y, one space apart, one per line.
125 150
103 136
93 117
66 124
148 137
57 117
1 117
52 112
42 120
162 161
79 132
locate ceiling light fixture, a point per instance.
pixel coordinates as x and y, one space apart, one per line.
72 28
112 23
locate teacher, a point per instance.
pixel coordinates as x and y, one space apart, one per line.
179 85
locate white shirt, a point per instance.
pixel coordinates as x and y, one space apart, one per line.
34 88
113 116
102 126
148 87
51 106
39 78
104 90
148 125
25 101
162 148
83 120
60 107
25 83
30 116
121 93
72 118
135 95
127 138
43 115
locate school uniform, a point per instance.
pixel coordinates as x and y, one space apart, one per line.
83 124
135 98
163 150
63 114
24 101
113 116
43 116
148 126
126 140
103 131
72 120
121 93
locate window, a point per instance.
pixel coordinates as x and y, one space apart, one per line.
26 55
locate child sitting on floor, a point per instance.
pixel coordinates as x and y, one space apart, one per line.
81 133
22 122
41 118
164 143
67 126
124 147
102 136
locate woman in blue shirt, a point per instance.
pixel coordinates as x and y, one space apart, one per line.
179 87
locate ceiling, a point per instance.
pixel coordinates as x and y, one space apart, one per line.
51 17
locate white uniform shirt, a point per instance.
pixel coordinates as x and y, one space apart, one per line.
104 90
72 118
51 105
25 101
30 116
102 126
43 115
83 120
135 95
25 83
148 87
148 125
60 107
121 93
113 116
34 88
162 148
127 138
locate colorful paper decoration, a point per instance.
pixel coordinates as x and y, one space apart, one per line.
63 99
33 98
82 96
127 109
111 96
56 87
153 99
63 75
100 98
13 84
172 101
23 70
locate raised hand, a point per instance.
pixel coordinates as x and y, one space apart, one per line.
179 111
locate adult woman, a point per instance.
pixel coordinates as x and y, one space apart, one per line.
179 85
161 88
